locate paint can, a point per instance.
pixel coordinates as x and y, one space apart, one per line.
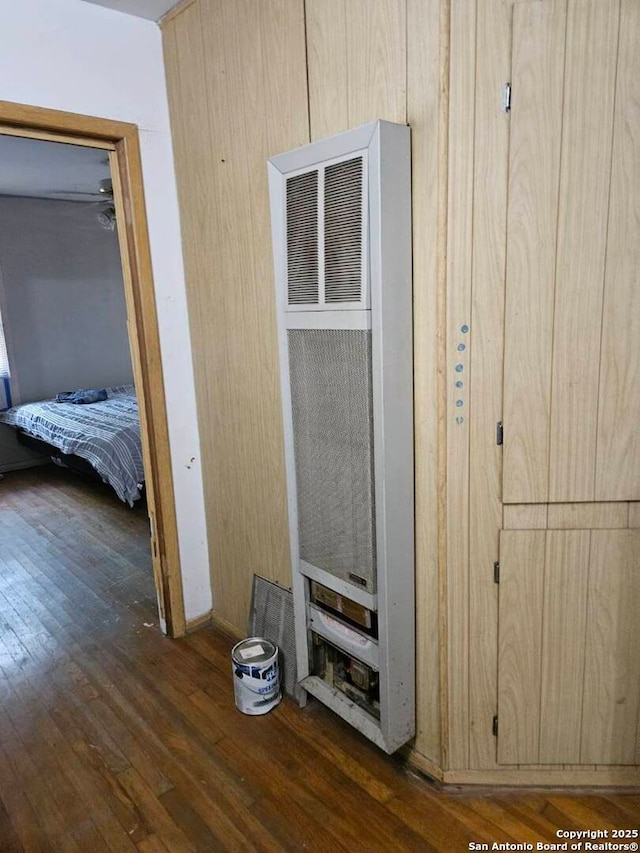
256 675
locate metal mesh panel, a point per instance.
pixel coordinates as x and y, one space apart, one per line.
272 617
333 439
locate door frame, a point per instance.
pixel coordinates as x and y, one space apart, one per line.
121 141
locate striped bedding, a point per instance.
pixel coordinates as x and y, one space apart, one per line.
106 434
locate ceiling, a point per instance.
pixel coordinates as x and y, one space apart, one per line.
153 10
38 169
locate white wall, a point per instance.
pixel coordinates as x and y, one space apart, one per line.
70 55
63 303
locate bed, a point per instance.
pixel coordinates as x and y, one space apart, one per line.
106 435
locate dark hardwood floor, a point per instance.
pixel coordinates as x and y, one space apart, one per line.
113 737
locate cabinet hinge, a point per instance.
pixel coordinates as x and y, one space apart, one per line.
496 572
499 433
495 726
506 98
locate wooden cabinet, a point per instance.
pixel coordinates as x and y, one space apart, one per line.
572 311
569 642
543 273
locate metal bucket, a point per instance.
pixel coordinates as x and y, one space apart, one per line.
256 675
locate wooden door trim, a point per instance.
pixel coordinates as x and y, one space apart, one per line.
122 141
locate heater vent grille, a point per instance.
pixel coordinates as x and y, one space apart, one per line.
331 391
272 617
343 231
302 239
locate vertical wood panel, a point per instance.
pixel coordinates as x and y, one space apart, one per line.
459 266
423 106
522 559
590 68
536 122
184 62
493 34
618 452
563 645
357 63
229 115
524 516
327 67
376 60
612 674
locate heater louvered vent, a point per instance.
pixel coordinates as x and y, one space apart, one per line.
343 231
302 239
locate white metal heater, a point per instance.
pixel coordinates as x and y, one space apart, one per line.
341 221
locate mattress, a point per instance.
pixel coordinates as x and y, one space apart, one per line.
105 434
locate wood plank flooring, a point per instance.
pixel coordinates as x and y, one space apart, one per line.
113 737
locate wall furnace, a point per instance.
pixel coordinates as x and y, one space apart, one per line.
341 220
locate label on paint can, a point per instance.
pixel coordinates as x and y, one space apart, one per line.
256 675
253 652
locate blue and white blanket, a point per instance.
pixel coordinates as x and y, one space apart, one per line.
106 434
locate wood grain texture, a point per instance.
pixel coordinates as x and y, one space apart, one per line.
634 514
491 146
459 280
423 107
583 210
114 738
227 122
522 561
327 45
587 516
376 60
46 136
357 63
45 121
372 59
536 123
618 452
144 341
566 576
524 516
441 411
612 670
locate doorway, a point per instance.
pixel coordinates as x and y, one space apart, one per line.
120 143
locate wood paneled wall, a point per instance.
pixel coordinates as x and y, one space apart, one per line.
251 78
560 111
248 79
236 75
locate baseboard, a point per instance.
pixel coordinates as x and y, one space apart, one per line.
619 777
605 777
423 765
211 618
198 622
226 627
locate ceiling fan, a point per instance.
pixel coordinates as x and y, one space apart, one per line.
103 197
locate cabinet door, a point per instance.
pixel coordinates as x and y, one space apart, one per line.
572 312
569 647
